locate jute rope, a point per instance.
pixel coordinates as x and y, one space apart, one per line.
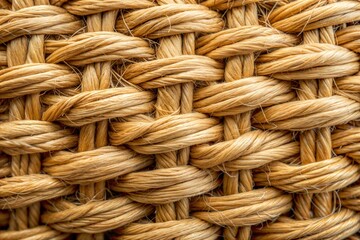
179 119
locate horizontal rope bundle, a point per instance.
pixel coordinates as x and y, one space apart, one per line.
179 119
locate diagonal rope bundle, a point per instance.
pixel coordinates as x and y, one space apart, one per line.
179 119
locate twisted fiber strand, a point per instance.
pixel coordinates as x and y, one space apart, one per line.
242 40
28 79
346 143
21 191
179 119
166 104
348 38
88 7
158 178
172 191
238 67
316 14
55 96
58 2
226 4
239 97
96 105
94 216
348 84
321 149
336 226
187 229
313 177
350 197
348 94
308 114
243 150
166 134
172 71
323 202
93 135
93 47
33 136
306 62
21 51
37 233
36 20
170 19
97 165
243 209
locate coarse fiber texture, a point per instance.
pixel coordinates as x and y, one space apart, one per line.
179 119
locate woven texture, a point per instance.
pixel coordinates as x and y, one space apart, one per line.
179 119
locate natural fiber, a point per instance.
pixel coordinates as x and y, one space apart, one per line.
179 119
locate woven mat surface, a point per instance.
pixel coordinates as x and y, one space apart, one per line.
179 119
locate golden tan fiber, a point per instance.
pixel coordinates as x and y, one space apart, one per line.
308 114
237 68
245 209
244 150
350 197
97 105
76 168
96 76
170 19
348 84
67 217
171 192
347 142
308 62
88 48
38 233
22 191
14 81
238 97
314 14
347 38
191 228
226 4
242 41
179 119
32 136
171 71
158 178
88 7
165 134
313 177
320 228
96 47
37 20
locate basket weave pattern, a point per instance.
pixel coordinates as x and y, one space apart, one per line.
179 119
